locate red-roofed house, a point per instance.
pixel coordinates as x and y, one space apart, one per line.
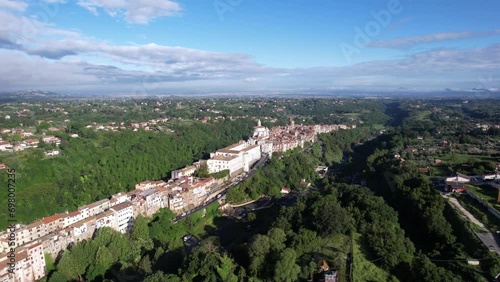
4 146
285 190
31 143
72 218
53 223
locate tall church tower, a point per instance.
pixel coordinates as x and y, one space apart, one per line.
292 122
259 123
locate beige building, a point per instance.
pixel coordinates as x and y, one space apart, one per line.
187 171
28 264
53 223
30 232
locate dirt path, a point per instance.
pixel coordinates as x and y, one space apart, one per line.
457 204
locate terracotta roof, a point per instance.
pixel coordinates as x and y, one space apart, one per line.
122 206
34 224
222 158
94 204
50 219
75 213
35 245
21 256
104 214
161 189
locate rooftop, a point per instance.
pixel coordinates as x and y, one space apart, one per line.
52 218
222 158
122 206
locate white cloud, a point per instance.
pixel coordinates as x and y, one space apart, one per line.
408 42
134 11
13 5
39 55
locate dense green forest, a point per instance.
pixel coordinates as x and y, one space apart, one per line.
373 217
99 164
437 231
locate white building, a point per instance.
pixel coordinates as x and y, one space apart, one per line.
187 171
72 218
94 208
106 219
236 158
118 199
124 216
261 137
459 178
4 146
52 153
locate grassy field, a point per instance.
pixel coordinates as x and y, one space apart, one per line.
351 114
456 158
441 171
487 193
423 115
378 126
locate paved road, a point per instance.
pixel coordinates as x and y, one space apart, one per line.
490 240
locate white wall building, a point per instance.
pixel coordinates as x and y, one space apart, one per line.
236 158
124 216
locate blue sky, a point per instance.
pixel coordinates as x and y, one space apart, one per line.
190 46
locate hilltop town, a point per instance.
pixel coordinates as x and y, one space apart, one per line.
183 193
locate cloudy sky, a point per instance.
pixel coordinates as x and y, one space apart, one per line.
193 46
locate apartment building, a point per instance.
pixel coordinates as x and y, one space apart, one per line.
146 185
124 216
30 232
187 171
53 223
118 199
94 208
236 158
29 264
72 218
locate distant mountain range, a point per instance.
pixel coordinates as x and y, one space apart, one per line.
480 93
32 94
